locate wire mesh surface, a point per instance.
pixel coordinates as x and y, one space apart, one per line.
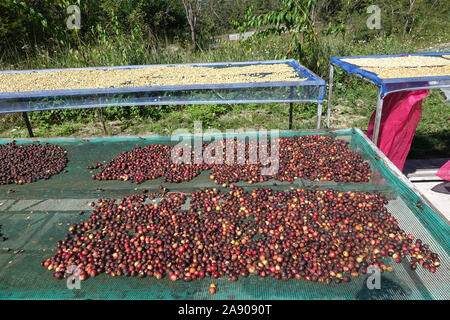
386 86
34 216
310 90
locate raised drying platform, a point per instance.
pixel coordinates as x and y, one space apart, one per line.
394 73
200 83
400 72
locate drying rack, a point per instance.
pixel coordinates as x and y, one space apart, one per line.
386 86
311 89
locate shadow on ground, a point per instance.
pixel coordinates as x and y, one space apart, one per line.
443 187
428 145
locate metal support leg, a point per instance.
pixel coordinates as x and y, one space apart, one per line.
330 92
319 115
100 113
376 129
27 123
291 106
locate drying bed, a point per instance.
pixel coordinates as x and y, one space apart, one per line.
392 73
170 75
203 83
34 216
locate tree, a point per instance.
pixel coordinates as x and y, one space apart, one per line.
293 17
193 10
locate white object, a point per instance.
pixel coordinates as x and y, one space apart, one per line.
446 91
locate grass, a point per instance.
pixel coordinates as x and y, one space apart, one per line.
432 136
353 100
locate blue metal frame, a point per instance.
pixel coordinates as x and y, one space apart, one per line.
312 80
386 86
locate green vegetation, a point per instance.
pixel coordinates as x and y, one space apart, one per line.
34 35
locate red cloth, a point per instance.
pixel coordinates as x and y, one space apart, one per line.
399 119
444 171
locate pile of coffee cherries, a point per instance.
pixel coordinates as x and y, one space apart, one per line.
28 163
312 157
147 163
316 235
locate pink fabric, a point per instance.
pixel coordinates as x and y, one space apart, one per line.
444 171
399 119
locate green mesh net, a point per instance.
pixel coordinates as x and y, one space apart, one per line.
34 216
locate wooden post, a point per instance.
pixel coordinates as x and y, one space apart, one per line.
27 123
